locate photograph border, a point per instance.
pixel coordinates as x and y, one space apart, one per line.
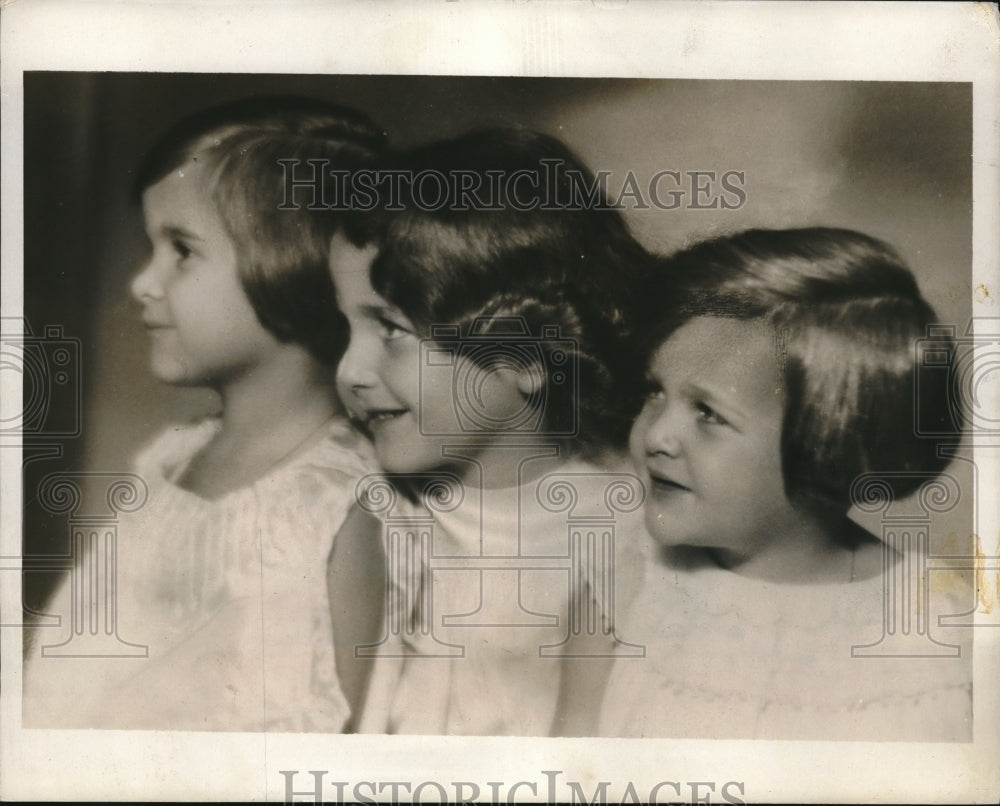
732 40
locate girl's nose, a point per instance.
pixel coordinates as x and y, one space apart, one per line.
146 285
664 433
356 370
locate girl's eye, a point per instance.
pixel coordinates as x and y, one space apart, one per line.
180 249
389 330
710 416
651 390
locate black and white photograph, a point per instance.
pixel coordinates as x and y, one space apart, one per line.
533 412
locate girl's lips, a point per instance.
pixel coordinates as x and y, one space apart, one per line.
376 418
662 483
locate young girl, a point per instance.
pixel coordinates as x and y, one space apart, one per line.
781 366
484 325
222 574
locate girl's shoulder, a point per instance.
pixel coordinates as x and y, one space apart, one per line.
340 452
329 470
815 662
167 454
343 448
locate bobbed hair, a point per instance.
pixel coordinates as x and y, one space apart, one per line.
539 243
282 245
850 324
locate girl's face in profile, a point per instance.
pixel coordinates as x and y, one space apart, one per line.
409 413
708 440
202 327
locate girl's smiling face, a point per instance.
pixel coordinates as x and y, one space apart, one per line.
378 376
203 328
379 379
708 440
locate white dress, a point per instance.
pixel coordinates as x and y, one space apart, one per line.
228 595
730 657
482 655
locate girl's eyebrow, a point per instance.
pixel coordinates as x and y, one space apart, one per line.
377 311
726 405
171 231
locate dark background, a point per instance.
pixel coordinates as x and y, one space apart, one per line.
890 159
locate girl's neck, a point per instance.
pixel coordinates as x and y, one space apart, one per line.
810 550
268 417
522 461
283 394
501 465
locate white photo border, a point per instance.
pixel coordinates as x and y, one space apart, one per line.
733 40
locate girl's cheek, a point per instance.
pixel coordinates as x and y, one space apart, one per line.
403 356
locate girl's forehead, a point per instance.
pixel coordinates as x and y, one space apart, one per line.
738 356
182 200
189 179
721 337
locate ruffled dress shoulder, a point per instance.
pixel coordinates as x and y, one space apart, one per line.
729 657
499 583
228 595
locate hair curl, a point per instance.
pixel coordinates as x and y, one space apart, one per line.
552 255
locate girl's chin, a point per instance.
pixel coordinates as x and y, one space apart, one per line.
396 456
661 527
172 372
666 534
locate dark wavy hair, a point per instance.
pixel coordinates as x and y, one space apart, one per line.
851 326
282 253
547 249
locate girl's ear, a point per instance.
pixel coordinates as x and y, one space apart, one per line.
530 380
